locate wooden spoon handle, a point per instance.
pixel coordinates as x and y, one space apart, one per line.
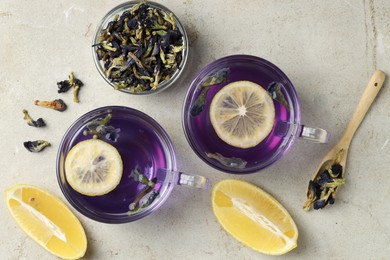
374 86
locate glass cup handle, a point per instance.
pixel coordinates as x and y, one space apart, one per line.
194 181
314 134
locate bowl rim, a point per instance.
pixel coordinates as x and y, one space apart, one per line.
293 132
120 9
64 147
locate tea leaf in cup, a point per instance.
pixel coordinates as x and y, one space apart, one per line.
233 162
216 78
275 91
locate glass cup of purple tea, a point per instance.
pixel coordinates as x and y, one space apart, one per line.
149 165
220 105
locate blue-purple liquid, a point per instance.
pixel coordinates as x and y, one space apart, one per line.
139 146
207 141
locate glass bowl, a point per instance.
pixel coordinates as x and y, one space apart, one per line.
142 143
205 142
118 10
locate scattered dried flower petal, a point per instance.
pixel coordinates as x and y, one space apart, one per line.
38 123
72 82
57 104
322 190
36 146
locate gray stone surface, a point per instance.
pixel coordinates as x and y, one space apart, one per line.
329 49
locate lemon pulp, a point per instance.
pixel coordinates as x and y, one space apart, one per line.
242 114
254 217
47 220
93 167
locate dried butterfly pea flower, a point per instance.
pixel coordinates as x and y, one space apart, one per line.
326 197
100 121
324 178
38 123
135 204
331 199
319 204
63 86
200 102
108 132
336 170
36 146
72 82
313 194
151 197
322 190
139 177
275 91
148 193
76 93
100 127
57 104
233 162
336 182
216 78
111 133
143 41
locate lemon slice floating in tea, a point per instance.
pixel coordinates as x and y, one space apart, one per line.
242 114
93 167
47 220
254 217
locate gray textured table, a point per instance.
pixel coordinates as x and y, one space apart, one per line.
329 49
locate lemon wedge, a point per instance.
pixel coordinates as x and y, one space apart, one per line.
242 114
254 217
47 220
93 167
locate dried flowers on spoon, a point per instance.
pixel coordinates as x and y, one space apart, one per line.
140 48
322 190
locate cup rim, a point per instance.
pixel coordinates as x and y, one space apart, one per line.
64 147
108 17
293 132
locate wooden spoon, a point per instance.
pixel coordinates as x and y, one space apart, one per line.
338 154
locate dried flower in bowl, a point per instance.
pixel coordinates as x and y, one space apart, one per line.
322 190
141 48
